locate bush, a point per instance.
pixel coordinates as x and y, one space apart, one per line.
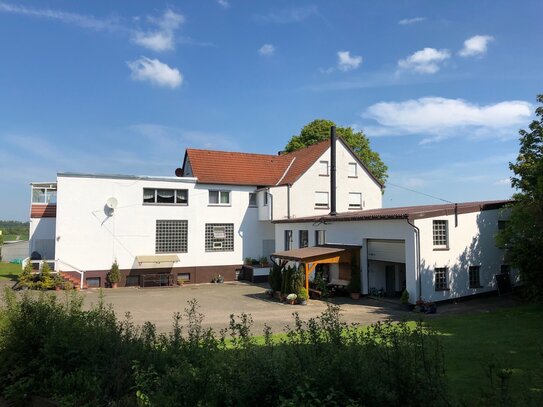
276 278
46 281
26 278
405 297
114 275
303 295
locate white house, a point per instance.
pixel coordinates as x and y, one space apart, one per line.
215 212
436 252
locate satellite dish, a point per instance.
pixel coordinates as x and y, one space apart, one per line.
111 203
178 172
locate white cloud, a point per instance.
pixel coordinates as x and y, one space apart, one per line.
81 20
156 72
346 62
442 118
476 45
286 16
503 181
408 21
161 38
223 3
266 50
427 60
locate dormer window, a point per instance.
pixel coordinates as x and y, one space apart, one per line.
352 170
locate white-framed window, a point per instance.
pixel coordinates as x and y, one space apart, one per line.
252 199
265 198
288 239
440 232
321 200
323 168
219 198
474 276
165 196
303 238
441 278
44 195
355 200
171 236
320 237
219 237
353 170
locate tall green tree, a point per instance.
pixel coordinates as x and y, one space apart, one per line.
319 130
523 235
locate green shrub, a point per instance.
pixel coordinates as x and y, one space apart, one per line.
114 275
303 295
46 281
276 278
405 297
26 278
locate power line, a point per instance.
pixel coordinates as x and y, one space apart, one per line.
418 192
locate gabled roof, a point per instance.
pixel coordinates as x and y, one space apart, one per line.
404 212
231 168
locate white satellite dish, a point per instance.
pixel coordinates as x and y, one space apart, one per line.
112 203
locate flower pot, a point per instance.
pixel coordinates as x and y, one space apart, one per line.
355 296
292 302
303 302
114 285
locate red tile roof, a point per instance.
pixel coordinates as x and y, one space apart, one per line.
404 212
230 168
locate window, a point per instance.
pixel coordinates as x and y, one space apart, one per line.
219 237
440 233
502 224
165 196
252 199
265 198
44 196
132 281
183 277
441 278
323 168
171 236
321 200
474 277
93 282
219 198
288 239
352 170
355 200
303 238
320 237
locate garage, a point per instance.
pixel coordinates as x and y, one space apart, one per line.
386 267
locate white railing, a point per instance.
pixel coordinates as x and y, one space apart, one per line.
56 268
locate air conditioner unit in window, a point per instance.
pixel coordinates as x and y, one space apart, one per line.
217 245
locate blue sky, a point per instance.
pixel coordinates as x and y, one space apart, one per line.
440 88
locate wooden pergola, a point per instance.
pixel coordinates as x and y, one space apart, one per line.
312 256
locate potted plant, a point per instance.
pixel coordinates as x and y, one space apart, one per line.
303 296
354 286
263 261
248 261
114 275
291 298
405 301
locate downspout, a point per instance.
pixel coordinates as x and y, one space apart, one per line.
288 201
270 203
417 260
333 171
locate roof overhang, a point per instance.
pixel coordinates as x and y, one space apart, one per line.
321 254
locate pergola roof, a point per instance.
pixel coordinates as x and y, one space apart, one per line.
312 254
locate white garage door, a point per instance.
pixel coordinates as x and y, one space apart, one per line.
386 250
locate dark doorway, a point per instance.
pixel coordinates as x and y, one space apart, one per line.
390 281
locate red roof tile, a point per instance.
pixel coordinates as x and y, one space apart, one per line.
231 168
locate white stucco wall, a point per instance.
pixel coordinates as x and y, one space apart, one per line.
90 240
42 236
470 244
358 233
302 192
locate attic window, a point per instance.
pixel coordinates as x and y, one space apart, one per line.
323 168
321 200
352 170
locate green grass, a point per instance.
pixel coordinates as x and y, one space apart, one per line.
9 271
509 338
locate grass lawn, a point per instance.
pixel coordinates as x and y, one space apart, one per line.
510 338
9 271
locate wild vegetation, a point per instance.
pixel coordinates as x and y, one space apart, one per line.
12 228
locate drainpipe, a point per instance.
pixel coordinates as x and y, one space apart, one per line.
270 202
333 171
288 201
417 260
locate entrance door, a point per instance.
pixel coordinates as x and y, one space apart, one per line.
390 281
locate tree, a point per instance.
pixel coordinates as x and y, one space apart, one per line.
523 235
319 130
